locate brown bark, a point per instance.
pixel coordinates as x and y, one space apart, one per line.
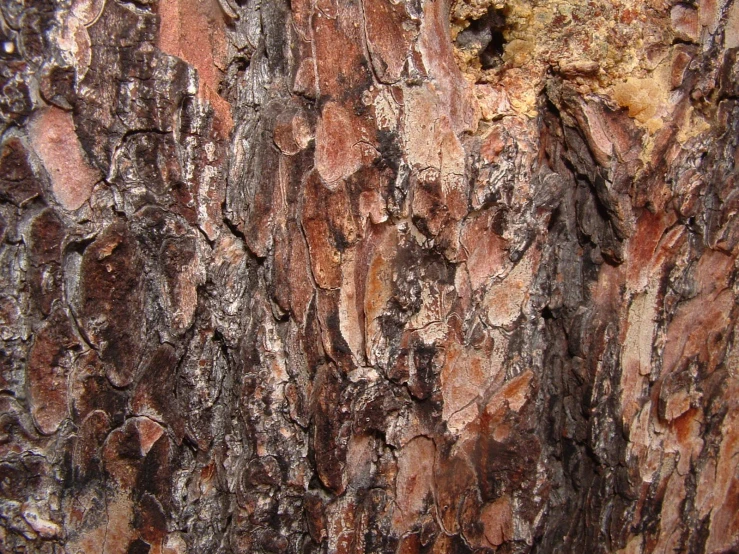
369 276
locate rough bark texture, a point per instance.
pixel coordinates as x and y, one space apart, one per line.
369 276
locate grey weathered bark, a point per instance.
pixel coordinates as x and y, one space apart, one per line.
369 276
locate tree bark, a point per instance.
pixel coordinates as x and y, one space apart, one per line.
404 276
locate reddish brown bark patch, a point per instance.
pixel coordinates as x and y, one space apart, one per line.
195 31
183 26
111 310
47 370
17 182
389 36
54 139
414 484
329 229
153 396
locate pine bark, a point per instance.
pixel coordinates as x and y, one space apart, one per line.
413 276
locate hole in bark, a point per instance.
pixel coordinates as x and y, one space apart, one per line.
547 313
241 64
482 41
138 547
492 55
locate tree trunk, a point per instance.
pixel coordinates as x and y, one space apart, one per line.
378 276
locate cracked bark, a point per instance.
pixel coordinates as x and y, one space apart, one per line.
369 276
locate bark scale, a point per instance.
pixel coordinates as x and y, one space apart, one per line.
369 276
